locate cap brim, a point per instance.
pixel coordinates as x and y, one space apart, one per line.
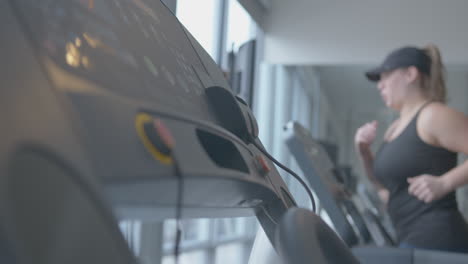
374 74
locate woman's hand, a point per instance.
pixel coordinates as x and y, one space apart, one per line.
365 135
384 195
428 188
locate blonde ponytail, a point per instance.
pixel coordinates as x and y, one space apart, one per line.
434 84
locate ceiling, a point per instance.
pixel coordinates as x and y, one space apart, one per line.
333 32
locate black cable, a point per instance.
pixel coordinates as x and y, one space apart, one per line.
178 216
292 173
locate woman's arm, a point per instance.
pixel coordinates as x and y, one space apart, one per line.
367 160
444 127
365 135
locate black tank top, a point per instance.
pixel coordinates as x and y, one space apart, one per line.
434 225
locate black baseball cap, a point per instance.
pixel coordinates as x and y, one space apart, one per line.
400 58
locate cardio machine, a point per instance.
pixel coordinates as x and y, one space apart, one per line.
111 110
355 226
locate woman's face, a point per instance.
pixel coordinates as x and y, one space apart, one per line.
393 87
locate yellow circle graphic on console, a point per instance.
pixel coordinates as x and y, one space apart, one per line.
140 121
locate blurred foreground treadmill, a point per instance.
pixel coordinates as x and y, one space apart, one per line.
104 106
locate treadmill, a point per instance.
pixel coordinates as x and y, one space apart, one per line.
322 175
111 110
318 169
375 224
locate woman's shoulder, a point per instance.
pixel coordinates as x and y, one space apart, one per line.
438 121
435 112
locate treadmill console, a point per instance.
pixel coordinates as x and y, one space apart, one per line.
123 93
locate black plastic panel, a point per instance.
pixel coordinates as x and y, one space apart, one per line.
132 48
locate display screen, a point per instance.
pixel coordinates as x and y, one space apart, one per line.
134 48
